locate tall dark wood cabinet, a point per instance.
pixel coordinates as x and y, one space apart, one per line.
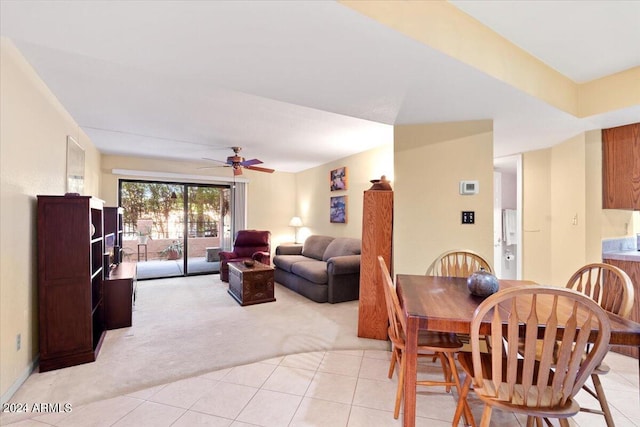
70 268
377 234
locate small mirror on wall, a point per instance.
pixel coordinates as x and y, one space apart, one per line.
75 166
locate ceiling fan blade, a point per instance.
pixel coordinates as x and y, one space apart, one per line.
259 169
251 162
214 160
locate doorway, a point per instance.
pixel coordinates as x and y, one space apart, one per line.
507 217
173 229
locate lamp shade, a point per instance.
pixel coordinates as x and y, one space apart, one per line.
295 222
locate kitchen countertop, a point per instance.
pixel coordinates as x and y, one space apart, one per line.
622 255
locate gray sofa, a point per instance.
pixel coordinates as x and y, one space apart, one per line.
324 269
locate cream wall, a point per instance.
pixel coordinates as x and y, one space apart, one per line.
536 218
559 184
593 196
568 209
33 133
430 161
271 197
313 191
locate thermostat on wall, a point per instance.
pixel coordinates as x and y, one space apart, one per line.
469 187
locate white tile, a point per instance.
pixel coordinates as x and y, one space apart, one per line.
52 419
367 417
335 388
434 403
101 413
270 409
28 423
198 419
147 392
375 369
225 400
378 354
152 415
253 375
183 393
356 353
320 413
274 360
309 361
376 394
341 363
289 380
216 375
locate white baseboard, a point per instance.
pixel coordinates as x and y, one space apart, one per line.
21 379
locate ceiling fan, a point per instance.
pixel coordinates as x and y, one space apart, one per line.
238 163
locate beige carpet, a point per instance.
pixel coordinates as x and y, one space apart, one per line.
187 326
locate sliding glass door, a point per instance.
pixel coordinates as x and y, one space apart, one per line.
173 229
207 216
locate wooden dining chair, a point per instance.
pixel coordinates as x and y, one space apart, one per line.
458 263
430 343
521 382
612 289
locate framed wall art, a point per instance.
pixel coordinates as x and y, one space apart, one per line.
338 210
75 166
338 179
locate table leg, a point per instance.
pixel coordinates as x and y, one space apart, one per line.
411 357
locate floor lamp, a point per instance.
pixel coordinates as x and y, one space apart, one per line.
296 223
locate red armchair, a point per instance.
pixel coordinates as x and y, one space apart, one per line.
249 244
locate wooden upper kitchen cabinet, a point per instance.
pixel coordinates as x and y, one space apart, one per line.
621 167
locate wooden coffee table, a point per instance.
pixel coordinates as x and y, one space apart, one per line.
251 285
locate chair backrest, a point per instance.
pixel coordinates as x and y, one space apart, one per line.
396 320
458 263
607 285
248 242
517 314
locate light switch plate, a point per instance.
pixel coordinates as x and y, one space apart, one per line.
468 217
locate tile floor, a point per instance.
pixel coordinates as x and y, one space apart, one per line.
337 388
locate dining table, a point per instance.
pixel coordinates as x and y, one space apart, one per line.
444 304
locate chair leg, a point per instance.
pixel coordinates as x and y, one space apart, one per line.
564 422
392 364
530 420
446 371
400 390
468 416
463 405
486 416
603 400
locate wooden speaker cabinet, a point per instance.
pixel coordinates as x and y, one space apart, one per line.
377 236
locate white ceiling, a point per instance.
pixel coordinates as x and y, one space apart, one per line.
299 84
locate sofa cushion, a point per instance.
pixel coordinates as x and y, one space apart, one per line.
315 246
285 262
341 246
313 271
